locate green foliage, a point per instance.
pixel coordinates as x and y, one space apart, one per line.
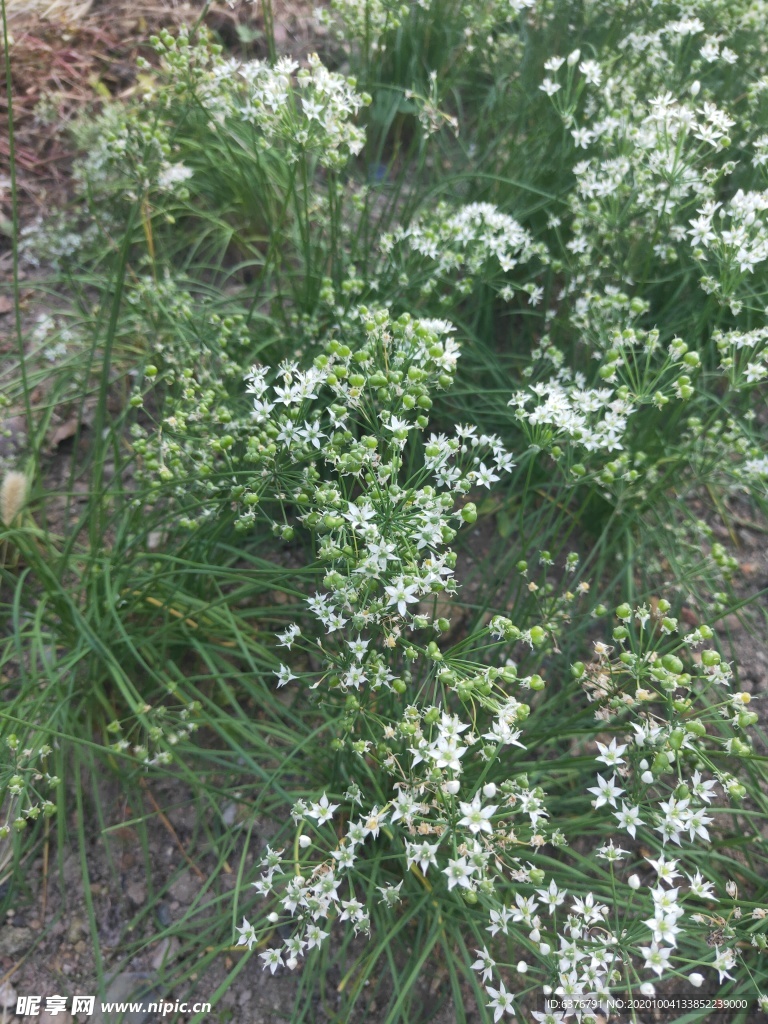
387 386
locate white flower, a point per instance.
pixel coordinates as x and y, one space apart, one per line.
499 920
476 817
459 873
611 754
273 958
247 935
484 477
628 818
484 963
723 962
656 959
322 810
501 1001
284 675
401 594
605 791
422 854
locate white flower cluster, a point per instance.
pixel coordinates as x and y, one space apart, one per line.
322 122
354 411
594 418
468 239
734 235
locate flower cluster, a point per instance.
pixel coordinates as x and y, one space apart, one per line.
465 242
27 784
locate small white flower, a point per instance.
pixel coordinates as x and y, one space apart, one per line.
501 1001
322 810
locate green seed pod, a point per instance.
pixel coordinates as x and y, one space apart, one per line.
469 512
433 651
676 738
538 636
747 718
696 727
740 748
672 663
578 668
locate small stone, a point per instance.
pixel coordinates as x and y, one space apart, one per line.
185 887
167 950
135 988
137 893
14 940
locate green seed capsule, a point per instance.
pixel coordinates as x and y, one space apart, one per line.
676 738
747 718
469 512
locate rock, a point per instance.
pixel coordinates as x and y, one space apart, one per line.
77 927
14 940
137 893
167 951
136 988
185 887
46 1017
